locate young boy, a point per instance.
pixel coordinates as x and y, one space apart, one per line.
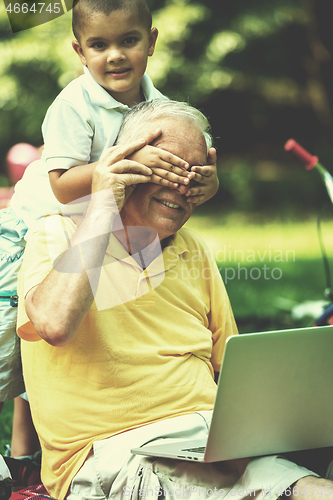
113 40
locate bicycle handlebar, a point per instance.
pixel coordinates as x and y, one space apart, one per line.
309 160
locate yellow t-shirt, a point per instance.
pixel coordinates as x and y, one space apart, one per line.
146 354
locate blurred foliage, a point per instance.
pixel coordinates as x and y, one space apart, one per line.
263 293
261 71
35 65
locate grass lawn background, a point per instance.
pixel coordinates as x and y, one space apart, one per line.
289 248
259 303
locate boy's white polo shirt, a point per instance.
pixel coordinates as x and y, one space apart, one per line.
82 121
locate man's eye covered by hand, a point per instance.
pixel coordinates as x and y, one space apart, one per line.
168 169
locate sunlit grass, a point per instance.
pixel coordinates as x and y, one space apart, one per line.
241 232
267 267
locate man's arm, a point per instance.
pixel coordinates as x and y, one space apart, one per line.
58 305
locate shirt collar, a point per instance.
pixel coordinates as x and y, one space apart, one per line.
176 247
174 250
148 88
98 95
177 244
101 97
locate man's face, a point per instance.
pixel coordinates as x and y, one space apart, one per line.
166 210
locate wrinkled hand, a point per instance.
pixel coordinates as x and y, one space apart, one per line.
116 176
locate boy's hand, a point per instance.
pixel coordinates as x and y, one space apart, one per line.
168 169
206 179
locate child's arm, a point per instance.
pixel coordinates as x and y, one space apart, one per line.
206 177
72 184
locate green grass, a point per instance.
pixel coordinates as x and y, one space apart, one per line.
265 303
6 420
267 267
238 231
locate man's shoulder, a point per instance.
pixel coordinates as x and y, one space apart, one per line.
191 239
51 226
193 248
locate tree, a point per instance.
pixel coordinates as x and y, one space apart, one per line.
35 65
261 71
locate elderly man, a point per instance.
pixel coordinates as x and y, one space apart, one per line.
123 326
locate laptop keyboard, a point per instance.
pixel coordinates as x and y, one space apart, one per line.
199 449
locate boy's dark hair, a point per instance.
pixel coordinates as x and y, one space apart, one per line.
84 9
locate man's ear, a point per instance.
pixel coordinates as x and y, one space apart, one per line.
77 47
152 41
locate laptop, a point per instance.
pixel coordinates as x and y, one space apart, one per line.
274 395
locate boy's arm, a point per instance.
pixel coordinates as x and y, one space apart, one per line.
168 170
72 184
67 153
206 179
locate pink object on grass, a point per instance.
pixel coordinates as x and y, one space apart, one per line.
18 158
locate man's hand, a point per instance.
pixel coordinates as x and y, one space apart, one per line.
206 179
119 174
58 305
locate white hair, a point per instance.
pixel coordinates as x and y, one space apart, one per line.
141 115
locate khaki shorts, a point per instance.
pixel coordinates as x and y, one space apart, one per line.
112 472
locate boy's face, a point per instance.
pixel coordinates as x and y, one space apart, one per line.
115 49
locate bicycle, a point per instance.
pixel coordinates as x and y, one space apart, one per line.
311 162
